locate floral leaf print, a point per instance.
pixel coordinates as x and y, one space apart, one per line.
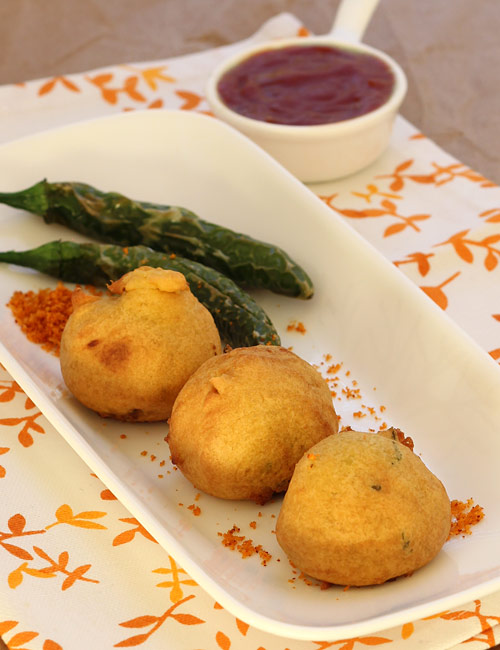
495 354
349 644
475 177
41 553
404 166
490 261
17 551
387 208
24 436
128 535
394 229
58 566
437 294
493 216
492 239
153 75
133 641
48 86
462 247
9 390
21 638
130 88
15 577
38 573
124 538
361 214
140 621
157 103
388 205
421 259
223 641
64 515
398 182
191 100
110 94
187 619
242 626
407 630
486 635
372 191
7 626
328 199
103 79
107 495
16 525
175 583
440 176
75 575
62 560
51 645
459 243
422 178
407 222
81 520
3 472
156 622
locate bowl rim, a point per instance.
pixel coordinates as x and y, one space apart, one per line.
279 131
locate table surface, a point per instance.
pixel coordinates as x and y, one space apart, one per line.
449 50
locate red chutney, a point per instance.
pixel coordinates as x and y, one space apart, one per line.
306 84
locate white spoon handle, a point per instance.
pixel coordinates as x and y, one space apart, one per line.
351 19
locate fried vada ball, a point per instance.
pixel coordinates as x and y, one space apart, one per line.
128 355
362 509
245 418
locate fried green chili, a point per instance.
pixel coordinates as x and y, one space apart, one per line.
113 218
240 321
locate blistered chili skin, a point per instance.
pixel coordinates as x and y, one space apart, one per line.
240 320
305 85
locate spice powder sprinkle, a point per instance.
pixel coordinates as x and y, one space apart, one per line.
43 315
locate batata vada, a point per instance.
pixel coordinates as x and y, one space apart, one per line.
362 509
244 419
128 355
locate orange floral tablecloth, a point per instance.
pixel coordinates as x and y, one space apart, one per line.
77 571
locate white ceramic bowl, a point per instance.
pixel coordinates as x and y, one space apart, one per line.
319 152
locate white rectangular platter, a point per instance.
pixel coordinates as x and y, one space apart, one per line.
406 356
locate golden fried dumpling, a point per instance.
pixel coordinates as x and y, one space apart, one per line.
245 418
128 355
361 509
